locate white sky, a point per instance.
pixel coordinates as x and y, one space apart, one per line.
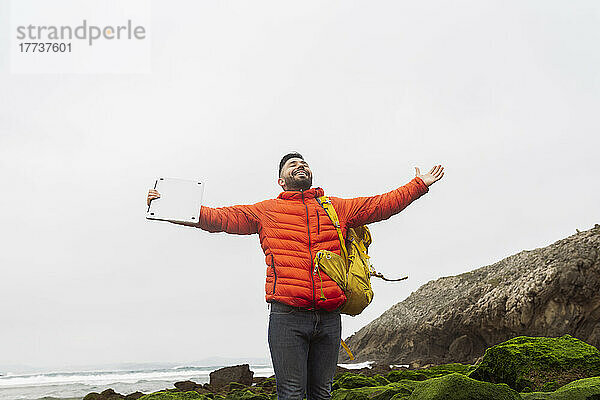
505 94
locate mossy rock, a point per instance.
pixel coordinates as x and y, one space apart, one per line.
457 386
398 390
237 385
245 395
269 382
381 380
108 394
403 374
538 363
453 367
582 389
169 395
428 373
348 380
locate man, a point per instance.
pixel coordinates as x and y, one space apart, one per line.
304 322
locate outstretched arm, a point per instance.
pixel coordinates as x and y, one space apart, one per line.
241 220
365 210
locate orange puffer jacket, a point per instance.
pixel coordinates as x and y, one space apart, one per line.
294 227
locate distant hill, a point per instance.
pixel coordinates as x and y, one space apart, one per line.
548 291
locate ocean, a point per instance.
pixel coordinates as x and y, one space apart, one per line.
74 385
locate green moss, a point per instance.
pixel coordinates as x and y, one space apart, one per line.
456 386
454 367
348 380
245 394
269 382
236 385
169 395
582 389
236 394
398 375
428 373
530 363
381 380
536 395
398 390
549 386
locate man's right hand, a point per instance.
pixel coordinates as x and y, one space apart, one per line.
152 194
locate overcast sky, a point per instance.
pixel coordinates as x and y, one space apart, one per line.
504 94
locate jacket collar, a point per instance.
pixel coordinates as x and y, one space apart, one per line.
308 194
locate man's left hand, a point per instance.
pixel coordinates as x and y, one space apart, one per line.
432 176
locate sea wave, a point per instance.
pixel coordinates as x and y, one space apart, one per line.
100 378
366 364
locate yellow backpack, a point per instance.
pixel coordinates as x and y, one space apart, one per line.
352 270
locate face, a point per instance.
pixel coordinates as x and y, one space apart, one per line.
295 175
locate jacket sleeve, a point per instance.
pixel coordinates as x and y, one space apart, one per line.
365 210
240 220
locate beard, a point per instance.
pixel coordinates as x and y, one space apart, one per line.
296 184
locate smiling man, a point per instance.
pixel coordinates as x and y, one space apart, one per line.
305 327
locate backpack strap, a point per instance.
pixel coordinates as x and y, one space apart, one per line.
330 211
345 346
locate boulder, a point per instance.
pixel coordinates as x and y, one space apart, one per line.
398 390
549 291
538 363
134 396
187 386
459 387
582 389
221 378
108 394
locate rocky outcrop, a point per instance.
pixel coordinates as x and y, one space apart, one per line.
224 376
549 291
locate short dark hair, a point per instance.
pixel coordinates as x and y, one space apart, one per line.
285 158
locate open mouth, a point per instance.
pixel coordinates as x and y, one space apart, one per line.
301 172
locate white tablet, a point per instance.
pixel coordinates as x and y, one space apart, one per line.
180 200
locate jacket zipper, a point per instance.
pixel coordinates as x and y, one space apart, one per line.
318 224
274 273
312 279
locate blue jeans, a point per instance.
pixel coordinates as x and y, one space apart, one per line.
304 349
